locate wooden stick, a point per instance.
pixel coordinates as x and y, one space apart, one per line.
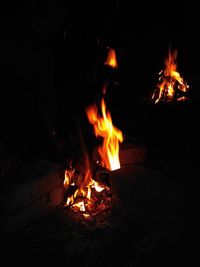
82 143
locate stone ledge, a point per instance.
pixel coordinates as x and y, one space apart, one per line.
30 194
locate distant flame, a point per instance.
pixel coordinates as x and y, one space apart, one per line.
103 127
170 82
111 59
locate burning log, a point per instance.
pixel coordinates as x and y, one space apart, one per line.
86 191
31 193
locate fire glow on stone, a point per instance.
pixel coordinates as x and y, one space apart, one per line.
171 85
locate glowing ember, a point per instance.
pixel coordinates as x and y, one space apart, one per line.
171 85
84 199
111 59
103 127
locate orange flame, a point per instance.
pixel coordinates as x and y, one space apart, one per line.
68 176
111 59
82 199
86 191
170 81
103 127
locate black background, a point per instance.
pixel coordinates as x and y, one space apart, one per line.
51 69
52 56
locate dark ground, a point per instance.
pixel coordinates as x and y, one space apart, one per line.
134 236
51 69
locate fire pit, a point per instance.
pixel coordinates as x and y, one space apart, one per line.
146 218
132 200
107 208
171 86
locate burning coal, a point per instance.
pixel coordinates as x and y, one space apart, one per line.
171 86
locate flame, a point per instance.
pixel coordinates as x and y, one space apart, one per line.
68 177
103 127
170 81
85 190
82 199
87 196
111 59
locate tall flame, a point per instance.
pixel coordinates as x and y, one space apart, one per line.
103 127
87 195
111 59
170 81
85 189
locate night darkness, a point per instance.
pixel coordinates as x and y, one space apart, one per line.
52 56
51 68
